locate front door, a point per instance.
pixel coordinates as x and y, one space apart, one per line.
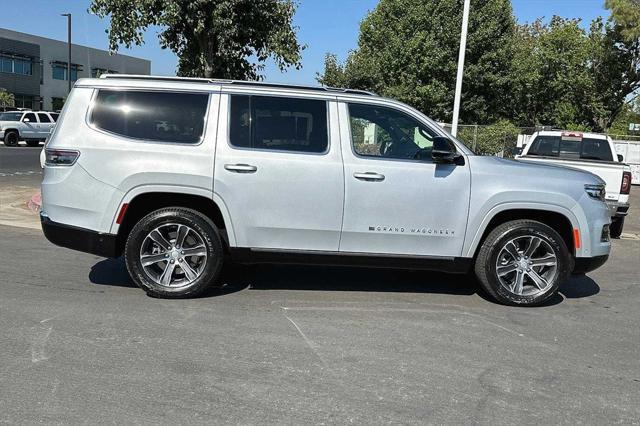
397 201
278 169
30 126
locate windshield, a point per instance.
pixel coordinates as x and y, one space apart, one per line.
571 148
10 116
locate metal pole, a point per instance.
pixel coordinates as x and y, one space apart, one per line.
475 137
68 15
463 46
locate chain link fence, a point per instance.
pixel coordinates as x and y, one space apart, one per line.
499 139
503 139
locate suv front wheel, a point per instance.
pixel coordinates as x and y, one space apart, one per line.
11 138
522 263
174 252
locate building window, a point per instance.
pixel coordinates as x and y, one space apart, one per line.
97 72
15 65
25 101
59 71
57 103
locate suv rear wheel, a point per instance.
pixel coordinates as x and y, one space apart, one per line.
174 252
11 138
522 263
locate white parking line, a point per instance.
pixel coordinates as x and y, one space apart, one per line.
27 173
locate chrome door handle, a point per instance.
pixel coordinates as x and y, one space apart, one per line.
369 176
240 168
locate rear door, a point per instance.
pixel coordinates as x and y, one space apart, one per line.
45 124
278 169
397 201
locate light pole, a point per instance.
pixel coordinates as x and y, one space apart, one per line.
463 46
68 15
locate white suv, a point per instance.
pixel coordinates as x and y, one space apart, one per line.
182 174
30 126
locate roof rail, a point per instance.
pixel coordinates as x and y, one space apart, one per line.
235 83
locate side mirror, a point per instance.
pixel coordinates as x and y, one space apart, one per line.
444 152
26 120
620 158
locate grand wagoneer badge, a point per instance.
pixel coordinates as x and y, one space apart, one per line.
440 232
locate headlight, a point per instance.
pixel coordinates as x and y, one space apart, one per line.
595 191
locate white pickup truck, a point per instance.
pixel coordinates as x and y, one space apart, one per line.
30 126
592 152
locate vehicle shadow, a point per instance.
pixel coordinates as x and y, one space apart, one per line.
579 286
112 272
318 278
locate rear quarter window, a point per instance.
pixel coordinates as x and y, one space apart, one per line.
155 116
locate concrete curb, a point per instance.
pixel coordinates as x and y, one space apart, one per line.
35 202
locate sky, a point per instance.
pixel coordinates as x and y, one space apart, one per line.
323 26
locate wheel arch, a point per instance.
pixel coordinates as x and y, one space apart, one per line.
558 218
140 203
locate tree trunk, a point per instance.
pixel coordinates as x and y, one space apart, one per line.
208 52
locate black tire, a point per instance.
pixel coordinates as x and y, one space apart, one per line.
615 229
518 230
33 143
199 223
11 138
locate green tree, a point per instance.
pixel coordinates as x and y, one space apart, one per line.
6 98
615 69
630 113
565 76
408 50
550 76
212 38
545 73
627 14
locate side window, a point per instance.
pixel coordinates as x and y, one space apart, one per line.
54 115
157 116
31 117
547 146
273 123
44 118
387 133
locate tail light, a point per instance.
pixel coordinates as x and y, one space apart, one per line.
60 157
625 188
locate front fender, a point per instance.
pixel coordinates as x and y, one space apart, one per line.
481 221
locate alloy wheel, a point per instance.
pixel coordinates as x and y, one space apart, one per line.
173 255
527 266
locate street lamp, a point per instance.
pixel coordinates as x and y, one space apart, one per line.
463 46
68 15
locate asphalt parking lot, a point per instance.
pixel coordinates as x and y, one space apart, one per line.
293 345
